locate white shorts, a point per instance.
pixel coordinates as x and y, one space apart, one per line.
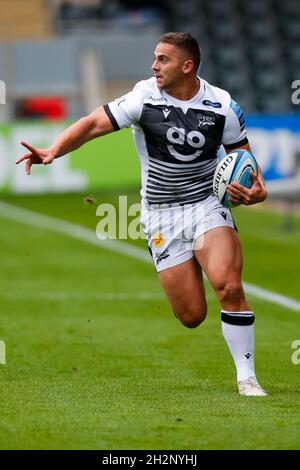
172 231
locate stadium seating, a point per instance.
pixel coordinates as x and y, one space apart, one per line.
21 19
252 48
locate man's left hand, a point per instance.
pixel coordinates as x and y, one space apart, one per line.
241 195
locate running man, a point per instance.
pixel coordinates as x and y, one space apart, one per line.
179 121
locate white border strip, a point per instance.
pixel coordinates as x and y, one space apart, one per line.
53 224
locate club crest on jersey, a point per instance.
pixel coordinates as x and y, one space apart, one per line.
206 120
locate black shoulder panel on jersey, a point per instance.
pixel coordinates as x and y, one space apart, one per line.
237 145
111 117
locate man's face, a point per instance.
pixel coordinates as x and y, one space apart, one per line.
168 66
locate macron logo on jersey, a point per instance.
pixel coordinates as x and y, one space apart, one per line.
166 112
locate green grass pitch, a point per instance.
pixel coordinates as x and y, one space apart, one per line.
96 359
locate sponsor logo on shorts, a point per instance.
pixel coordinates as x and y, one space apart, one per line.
223 214
247 356
158 240
160 256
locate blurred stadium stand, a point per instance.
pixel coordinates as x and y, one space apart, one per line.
251 48
21 19
60 59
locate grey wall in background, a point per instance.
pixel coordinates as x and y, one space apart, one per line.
53 67
48 64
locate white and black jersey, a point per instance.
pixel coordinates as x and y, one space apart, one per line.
177 141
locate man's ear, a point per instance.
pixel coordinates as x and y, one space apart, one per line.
188 66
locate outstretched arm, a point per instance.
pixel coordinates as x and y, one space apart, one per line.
87 128
257 193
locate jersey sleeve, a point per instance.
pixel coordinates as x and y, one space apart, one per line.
126 110
234 133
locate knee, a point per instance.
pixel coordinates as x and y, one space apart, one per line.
230 290
192 318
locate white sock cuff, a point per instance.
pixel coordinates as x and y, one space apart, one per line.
238 313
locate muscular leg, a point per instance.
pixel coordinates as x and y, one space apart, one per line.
183 285
220 256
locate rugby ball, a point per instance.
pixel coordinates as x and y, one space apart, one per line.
235 167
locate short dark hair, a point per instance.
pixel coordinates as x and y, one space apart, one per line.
184 41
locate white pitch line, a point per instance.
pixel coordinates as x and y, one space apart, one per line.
273 297
34 219
82 296
53 224
60 296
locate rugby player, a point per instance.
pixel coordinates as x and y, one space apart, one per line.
179 121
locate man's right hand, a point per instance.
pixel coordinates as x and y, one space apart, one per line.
35 156
87 128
